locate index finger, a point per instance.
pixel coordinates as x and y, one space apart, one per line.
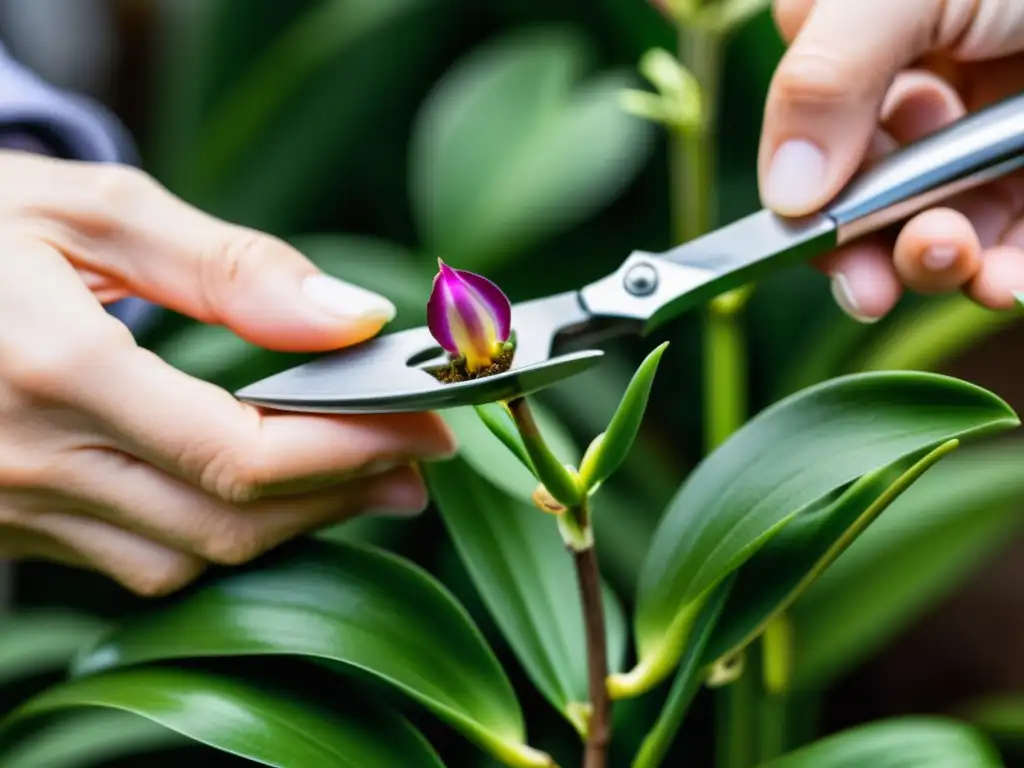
201 433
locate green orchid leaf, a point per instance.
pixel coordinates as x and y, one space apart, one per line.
284 69
241 718
525 576
355 608
90 737
491 457
38 642
610 449
897 743
509 149
497 419
690 676
785 461
1020 296
943 529
772 580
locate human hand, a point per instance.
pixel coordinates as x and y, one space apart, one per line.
113 460
843 94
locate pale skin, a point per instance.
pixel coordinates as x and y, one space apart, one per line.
862 77
112 460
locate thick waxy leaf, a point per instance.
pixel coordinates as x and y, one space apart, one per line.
610 450
241 718
509 149
910 742
690 676
36 643
951 522
787 565
90 738
785 461
526 578
363 609
490 456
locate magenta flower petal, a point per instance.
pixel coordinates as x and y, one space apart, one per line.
468 315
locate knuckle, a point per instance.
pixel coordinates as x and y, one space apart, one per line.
232 478
52 368
116 186
234 258
234 540
810 79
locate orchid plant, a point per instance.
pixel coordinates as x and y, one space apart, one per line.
748 595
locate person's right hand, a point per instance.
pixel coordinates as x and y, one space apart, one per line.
113 460
864 76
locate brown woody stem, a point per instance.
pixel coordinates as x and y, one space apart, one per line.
599 730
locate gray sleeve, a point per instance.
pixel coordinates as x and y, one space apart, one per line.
37 117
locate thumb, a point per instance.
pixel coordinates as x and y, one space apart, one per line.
146 242
826 95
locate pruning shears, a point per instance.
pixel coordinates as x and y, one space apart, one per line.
556 335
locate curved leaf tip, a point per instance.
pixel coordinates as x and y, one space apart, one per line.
787 460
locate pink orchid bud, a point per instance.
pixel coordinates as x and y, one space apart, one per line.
469 316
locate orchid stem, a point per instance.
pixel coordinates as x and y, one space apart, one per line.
599 729
578 535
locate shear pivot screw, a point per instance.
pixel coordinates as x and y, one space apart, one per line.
641 280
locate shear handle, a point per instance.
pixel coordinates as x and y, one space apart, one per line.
977 149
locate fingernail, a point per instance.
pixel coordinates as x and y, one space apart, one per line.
345 300
844 297
796 178
402 498
939 257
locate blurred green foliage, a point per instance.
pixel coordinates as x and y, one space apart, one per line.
376 135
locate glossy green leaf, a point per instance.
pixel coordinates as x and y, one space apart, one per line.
90 738
509 148
367 611
772 580
690 676
944 528
242 718
489 455
283 70
37 642
525 576
906 742
497 419
1020 296
783 462
611 448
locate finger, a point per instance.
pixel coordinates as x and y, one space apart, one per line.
864 280
200 433
937 251
1000 276
143 566
159 507
119 224
827 92
919 103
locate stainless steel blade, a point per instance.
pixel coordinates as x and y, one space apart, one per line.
391 373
